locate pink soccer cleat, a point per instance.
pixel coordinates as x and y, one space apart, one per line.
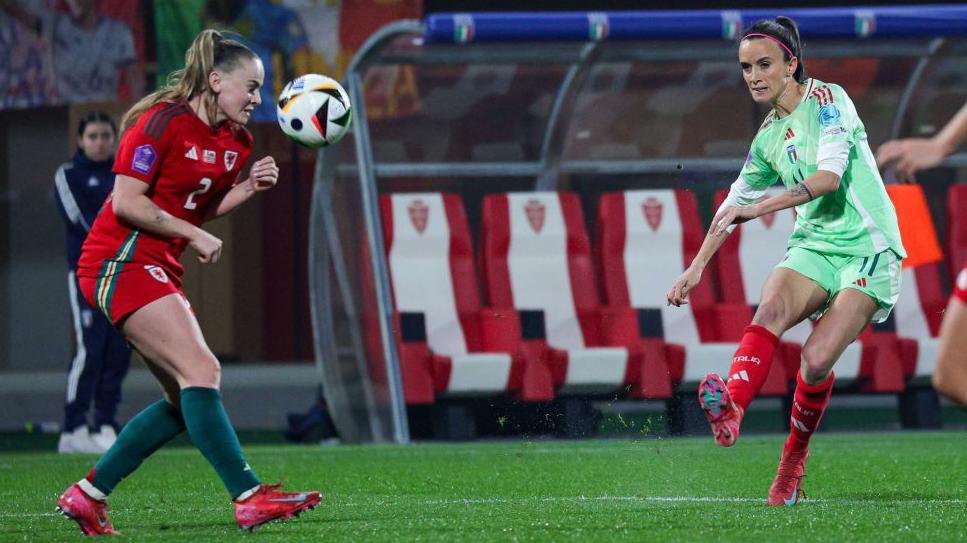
787 489
268 503
723 415
89 513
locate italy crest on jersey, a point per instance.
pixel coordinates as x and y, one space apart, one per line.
792 154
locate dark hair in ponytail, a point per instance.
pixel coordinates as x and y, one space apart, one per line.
96 117
786 32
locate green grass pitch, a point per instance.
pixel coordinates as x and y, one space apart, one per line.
862 487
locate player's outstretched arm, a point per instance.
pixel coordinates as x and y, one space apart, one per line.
678 295
131 204
263 176
914 154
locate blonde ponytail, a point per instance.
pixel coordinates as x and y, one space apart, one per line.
208 50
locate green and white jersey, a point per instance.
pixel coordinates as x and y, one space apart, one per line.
823 132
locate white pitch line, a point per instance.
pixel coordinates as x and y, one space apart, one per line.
410 500
656 499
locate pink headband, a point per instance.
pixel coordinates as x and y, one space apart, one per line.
747 36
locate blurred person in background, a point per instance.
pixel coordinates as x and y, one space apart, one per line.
102 355
90 50
909 156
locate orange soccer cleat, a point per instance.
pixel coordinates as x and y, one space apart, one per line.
787 487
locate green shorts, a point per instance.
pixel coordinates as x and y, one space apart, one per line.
877 276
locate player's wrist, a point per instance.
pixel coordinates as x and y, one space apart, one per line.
194 233
945 144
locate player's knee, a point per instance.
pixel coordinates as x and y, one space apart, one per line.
770 313
816 363
950 388
205 371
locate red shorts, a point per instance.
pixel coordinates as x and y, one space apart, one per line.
119 294
960 285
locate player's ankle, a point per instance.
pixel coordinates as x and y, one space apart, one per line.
91 491
248 493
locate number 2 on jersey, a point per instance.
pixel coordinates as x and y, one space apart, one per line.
206 184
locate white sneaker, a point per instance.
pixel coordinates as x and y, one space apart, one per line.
77 442
104 439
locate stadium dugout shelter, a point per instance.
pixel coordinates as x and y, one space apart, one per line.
458 253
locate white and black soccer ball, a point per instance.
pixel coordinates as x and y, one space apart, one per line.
314 110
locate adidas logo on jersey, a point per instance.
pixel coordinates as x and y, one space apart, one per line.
192 153
861 282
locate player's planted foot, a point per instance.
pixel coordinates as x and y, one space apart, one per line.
723 415
269 503
787 488
90 514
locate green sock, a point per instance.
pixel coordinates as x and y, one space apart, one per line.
212 432
154 426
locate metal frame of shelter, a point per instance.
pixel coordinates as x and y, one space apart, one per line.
925 30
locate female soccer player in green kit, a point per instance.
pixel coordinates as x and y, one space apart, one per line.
843 258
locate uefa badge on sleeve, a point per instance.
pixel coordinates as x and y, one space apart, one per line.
829 115
144 157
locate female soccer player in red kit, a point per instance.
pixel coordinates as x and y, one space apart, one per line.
909 156
178 164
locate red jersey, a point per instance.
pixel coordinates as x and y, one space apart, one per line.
187 164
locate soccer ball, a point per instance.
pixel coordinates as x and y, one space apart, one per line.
314 110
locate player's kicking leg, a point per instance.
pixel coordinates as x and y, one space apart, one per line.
723 415
787 298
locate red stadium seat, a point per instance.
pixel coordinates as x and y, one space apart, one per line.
537 259
647 238
916 319
469 350
956 228
745 261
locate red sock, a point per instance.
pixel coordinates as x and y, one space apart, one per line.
808 406
751 363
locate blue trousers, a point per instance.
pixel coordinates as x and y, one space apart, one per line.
99 365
